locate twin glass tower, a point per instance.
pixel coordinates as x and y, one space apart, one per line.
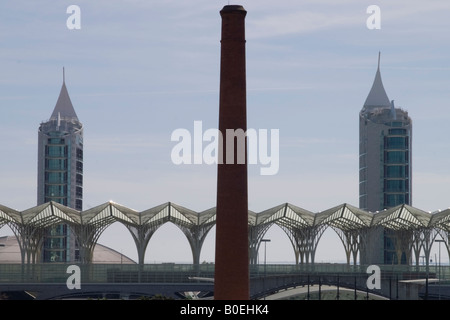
60 173
384 166
384 159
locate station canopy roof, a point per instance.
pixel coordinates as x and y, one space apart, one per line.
403 217
345 216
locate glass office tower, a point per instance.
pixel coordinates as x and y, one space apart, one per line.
60 173
384 159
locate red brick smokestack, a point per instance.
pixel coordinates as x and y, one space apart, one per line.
231 281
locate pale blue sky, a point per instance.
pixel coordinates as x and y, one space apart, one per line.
139 69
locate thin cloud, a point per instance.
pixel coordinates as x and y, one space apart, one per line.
126 143
297 23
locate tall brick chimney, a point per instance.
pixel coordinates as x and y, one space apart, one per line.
231 281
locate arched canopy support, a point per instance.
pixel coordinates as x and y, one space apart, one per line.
349 223
413 230
296 223
256 234
404 225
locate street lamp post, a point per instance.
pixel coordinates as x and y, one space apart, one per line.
439 282
265 266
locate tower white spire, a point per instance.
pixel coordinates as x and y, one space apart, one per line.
379 56
64 108
377 96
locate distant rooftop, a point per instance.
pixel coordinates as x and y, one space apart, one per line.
10 253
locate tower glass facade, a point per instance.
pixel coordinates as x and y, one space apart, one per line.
385 137
385 159
60 174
